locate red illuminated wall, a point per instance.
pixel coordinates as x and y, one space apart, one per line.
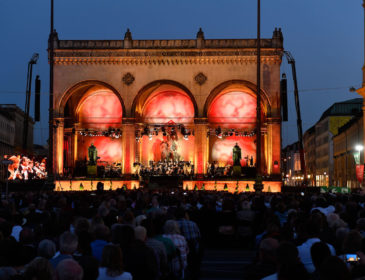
109 149
101 109
221 149
233 109
168 106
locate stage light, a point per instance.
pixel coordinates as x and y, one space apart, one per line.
186 137
150 137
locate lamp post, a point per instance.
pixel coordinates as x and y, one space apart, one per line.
258 186
359 167
31 62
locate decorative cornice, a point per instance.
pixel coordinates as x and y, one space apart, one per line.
164 44
275 59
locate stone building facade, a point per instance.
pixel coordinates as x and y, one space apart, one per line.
136 73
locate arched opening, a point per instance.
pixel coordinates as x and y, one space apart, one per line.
93 114
231 113
166 114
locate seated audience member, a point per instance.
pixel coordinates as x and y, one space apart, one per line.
319 252
83 255
333 268
101 234
289 265
7 273
138 255
266 263
68 245
40 269
69 269
111 267
46 249
313 227
172 231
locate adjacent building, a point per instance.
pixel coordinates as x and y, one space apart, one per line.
17 115
319 149
331 120
344 148
7 138
309 143
292 172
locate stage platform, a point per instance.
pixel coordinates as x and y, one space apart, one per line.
231 185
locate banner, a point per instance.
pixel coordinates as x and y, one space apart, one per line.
359 172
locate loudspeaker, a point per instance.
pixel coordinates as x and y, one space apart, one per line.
284 98
37 99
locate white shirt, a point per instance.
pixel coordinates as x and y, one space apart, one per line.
271 277
305 253
104 276
16 231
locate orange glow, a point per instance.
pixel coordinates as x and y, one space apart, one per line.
168 106
101 109
88 185
221 149
109 149
234 110
272 186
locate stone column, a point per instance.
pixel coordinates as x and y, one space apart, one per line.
74 139
201 147
129 147
59 131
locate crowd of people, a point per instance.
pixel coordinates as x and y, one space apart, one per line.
145 234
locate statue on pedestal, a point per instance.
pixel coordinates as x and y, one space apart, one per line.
93 154
236 155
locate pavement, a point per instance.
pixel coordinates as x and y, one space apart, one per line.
226 264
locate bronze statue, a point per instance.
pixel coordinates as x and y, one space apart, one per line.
236 155
93 154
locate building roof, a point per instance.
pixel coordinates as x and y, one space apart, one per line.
13 108
346 108
347 125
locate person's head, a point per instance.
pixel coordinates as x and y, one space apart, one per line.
39 268
26 236
352 242
315 224
171 227
140 233
68 243
122 235
81 224
319 252
69 269
6 273
46 249
267 250
101 232
112 259
334 268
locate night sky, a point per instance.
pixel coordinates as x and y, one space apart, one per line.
324 36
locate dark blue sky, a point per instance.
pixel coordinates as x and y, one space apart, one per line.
324 36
